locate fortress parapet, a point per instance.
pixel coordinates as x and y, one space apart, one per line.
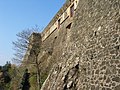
67 11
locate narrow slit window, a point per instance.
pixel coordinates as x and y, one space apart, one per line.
58 23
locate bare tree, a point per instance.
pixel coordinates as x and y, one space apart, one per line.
21 44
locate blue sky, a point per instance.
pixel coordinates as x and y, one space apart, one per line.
17 15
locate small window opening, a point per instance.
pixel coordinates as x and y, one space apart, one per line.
58 23
69 26
72 10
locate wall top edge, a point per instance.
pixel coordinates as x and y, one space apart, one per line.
58 14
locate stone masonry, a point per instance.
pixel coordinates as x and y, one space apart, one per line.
84 54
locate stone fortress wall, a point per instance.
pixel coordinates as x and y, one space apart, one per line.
51 39
56 27
90 53
82 52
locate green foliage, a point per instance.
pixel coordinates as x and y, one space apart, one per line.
13 76
25 84
0 68
33 82
5 77
10 76
43 77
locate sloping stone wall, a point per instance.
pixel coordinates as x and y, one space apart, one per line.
90 54
52 47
